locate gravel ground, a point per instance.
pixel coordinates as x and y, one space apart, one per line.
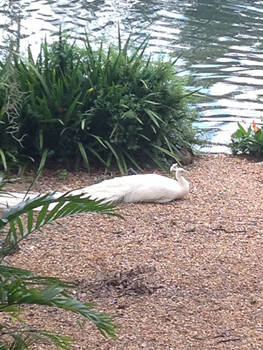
181 276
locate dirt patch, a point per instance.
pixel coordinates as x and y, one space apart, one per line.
183 276
138 281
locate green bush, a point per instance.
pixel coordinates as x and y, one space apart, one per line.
110 106
248 141
20 287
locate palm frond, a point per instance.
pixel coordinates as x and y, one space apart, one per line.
21 220
20 287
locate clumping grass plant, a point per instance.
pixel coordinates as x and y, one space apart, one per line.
111 106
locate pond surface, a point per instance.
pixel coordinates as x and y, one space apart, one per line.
219 43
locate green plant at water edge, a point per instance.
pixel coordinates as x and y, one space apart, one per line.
109 106
248 141
141 111
20 287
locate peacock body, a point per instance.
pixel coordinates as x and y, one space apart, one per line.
127 189
139 188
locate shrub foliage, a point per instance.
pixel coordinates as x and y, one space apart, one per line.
248 141
110 106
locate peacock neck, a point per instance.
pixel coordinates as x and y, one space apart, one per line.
182 181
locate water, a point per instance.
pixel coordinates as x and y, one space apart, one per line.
219 43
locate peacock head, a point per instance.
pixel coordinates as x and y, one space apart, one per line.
179 171
174 167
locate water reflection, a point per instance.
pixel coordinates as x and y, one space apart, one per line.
219 43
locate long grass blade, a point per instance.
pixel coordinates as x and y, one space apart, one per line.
99 139
154 116
169 153
118 157
41 79
3 158
97 155
84 155
72 107
132 160
39 170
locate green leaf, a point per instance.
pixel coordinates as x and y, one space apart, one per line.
118 157
3 158
99 139
41 139
169 153
84 155
153 103
93 151
72 107
154 116
30 217
132 160
41 79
